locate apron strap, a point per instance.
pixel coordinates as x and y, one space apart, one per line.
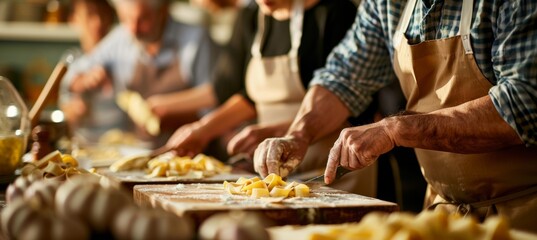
256 46
295 28
464 24
403 23
466 208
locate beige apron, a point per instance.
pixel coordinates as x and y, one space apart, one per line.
443 73
274 84
149 80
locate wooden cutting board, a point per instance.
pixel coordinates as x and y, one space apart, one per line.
129 179
199 201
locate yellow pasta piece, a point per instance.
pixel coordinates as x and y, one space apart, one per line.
273 185
196 174
269 178
172 173
278 191
155 163
275 181
230 187
301 190
258 184
242 180
159 171
426 225
291 185
170 165
70 160
186 165
260 192
174 166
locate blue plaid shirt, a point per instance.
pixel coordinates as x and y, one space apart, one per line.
504 40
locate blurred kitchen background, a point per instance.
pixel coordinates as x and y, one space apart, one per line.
34 34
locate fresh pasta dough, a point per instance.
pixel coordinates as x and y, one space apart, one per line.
426 225
139 111
168 165
271 186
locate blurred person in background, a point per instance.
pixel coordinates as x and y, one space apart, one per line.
273 52
92 19
148 53
219 18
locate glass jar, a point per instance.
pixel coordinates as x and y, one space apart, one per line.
14 128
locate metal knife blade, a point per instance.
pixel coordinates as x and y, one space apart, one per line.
340 171
238 158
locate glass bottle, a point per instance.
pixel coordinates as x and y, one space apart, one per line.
14 128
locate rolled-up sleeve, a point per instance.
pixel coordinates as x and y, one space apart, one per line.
515 66
360 65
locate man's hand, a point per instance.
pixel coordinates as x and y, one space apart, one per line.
188 140
94 79
75 109
358 147
247 140
279 155
159 104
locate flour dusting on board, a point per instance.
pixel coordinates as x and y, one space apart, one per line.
214 194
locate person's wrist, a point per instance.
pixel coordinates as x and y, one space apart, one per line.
390 126
205 129
300 136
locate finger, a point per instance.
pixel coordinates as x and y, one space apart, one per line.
251 153
230 148
192 153
357 155
259 160
234 143
344 154
179 152
274 157
333 162
288 166
89 83
108 88
249 144
354 160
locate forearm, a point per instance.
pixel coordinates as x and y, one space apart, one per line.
320 114
230 115
279 129
471 127
190 100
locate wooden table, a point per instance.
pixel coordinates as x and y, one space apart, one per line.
200 201
129 179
